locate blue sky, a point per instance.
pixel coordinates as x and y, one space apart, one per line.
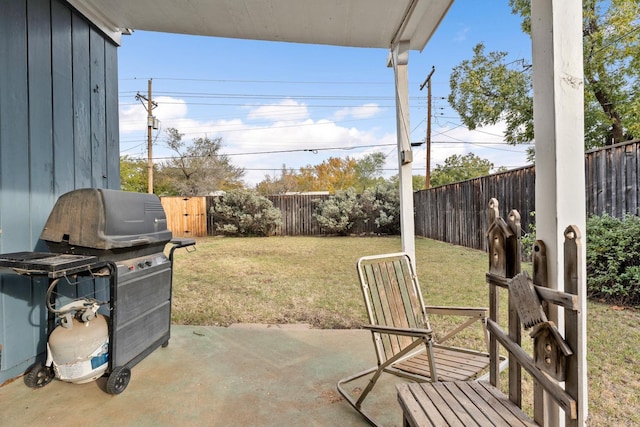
284 103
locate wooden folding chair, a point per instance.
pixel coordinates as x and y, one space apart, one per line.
404 342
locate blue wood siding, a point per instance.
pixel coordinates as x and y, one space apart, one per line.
112 116
62 85
81 103
58 132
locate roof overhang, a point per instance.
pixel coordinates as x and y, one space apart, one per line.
358 23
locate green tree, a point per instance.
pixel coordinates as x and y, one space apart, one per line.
200 167
134 177
331 175
417 182
133 174
459 168
369 170
488 88
287 182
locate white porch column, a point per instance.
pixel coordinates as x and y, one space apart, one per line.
556 30
399 60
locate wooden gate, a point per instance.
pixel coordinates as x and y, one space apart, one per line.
186 216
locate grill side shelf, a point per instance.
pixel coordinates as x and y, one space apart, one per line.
46 263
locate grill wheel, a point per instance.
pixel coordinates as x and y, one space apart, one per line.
39 376
118 380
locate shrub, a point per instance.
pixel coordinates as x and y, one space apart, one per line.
338 213
245 213
382 205
613 259
528 239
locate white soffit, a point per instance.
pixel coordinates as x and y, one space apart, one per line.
358 23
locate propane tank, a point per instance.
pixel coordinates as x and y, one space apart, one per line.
79 351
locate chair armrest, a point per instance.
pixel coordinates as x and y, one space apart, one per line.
457 311
411 332
474 314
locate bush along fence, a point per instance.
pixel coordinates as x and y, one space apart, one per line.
613 259
243 212
298 216
196 216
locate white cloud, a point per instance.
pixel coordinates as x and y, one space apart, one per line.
134 117
486 142
294 144
360 112
285 110
282 133
461 35
263 139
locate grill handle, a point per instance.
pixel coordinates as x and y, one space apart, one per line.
190 244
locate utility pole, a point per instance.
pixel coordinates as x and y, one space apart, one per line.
149 139
151 124
427 178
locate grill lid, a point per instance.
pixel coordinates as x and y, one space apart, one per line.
106 220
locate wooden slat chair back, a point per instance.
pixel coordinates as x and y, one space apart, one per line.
557 365
392 299
401 332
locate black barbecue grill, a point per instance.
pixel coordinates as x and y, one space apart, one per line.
109 224
121 235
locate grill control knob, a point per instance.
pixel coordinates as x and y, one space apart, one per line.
148 263
140 265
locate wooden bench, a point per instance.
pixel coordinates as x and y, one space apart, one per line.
463 403
557 366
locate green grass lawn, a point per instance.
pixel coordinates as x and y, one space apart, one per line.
313 280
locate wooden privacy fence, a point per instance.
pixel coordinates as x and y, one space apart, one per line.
450 213
297 214
186 216
612 180
296 211
190 216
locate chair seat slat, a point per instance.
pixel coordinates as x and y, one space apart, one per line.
460 403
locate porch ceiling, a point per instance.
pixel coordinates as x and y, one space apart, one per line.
358 23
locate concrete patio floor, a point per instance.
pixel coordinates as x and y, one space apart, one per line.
244 375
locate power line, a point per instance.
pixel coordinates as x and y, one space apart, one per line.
475 142
278 169
226 104
223 131
358 82
292 82
271 96
616 40
206 95
312 150
316 150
